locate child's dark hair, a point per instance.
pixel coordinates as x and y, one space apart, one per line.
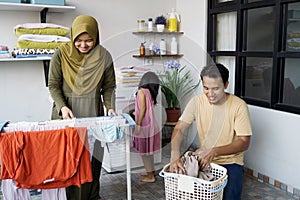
215 71
150 81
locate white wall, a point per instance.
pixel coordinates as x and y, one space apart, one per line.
274 148
22 84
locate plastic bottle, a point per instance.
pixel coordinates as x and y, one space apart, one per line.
151 52
142 49
163 47
150 24
174 46
172 21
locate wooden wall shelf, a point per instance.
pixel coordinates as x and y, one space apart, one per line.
153 56
156 32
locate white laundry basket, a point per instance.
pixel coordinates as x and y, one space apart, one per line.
183 187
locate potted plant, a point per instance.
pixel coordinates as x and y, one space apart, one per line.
176 82
161 22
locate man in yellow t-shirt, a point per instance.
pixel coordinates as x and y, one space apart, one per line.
223 125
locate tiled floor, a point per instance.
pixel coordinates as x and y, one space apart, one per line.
114 187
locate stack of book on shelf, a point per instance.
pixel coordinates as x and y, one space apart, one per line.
130 75
4 52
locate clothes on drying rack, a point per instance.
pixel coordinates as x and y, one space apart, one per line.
11 192
46 159
109 125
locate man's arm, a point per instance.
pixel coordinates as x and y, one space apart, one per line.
241 144
176 139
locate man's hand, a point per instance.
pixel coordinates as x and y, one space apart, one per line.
176 165
205 157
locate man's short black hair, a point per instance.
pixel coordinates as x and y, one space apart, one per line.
214 71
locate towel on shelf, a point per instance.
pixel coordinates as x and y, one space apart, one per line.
41 29
35 41
4 52
130 75
32 53
3 48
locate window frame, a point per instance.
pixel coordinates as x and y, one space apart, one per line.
278 54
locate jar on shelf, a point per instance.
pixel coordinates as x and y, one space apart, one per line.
141 25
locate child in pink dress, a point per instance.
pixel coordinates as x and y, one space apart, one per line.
147 133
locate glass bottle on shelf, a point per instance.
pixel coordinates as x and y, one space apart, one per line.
142 49
141 25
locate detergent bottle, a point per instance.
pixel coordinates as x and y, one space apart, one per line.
173 21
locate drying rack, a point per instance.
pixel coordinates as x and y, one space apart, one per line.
124 121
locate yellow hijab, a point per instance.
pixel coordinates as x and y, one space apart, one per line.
82 72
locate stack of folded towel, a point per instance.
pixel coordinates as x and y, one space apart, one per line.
4 52
39 39
130 75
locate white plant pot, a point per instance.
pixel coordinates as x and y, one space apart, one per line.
160 27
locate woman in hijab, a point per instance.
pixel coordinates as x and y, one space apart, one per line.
81 83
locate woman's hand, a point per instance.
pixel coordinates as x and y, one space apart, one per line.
66 113
112 112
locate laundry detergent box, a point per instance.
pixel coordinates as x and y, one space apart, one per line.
47 2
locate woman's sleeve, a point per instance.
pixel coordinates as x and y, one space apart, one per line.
55 81
109 83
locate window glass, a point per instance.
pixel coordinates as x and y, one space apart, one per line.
260 30
229 62
293 27
226 31
291 84
258 78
